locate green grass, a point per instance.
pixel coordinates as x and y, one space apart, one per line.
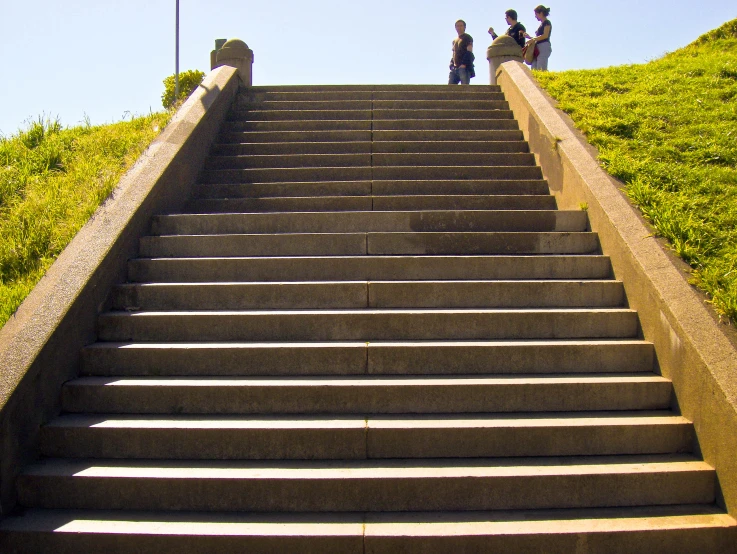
51 181
668 130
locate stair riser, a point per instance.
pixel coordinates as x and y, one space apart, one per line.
286 296
270 205
374 89
297 326
362 268
367 135
359 147
283 175
361 244
363 443
367 159
377 203
380 188
397 95
371 495
447 398
277 191
601 541
489 102
372 221
317 174
494 110
497 124
374 359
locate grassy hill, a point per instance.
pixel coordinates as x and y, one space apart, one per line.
51 182
668 130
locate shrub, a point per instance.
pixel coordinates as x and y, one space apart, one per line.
188 82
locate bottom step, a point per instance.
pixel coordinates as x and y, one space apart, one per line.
674 529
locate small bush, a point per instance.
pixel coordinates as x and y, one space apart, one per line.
188 82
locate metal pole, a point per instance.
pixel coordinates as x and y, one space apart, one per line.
176 63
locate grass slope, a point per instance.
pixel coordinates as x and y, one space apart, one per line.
668 130
51 182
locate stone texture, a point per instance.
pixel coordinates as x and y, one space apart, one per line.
364 334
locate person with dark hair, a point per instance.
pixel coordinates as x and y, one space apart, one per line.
516 29
461 64
542 38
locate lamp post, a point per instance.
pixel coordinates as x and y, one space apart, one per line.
176 57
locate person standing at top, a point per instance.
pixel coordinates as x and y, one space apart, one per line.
516 30
461 64
542 38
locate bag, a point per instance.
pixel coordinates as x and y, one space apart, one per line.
529 54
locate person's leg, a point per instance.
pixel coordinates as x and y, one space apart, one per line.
541 62
463 76
453 77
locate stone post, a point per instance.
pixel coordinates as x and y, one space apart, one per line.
503 49
236 53
219 42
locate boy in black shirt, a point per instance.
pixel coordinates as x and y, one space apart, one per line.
461 64
516 29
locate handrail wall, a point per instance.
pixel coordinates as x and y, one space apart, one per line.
40 345
693 349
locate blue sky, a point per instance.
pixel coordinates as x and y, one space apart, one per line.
105 59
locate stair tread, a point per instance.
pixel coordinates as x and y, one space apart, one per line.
367 311
341 421
361 344
521 522
403 381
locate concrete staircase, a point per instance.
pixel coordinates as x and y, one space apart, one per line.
371 332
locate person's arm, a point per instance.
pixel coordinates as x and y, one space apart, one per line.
492 33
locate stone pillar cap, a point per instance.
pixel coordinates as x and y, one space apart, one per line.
504 46
234 48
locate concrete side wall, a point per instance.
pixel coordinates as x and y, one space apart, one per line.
693 350
40 346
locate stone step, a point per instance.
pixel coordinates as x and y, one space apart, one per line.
363 147
493 110
366 394
378 189
362 203
284 204
369 324
362 358
656 530
384 268
371 221
405 89
366 436
376 96
263 191
371 243
368 294
368 160
503 122
358 486
488 187
367 173
490 101
363 135
443 146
